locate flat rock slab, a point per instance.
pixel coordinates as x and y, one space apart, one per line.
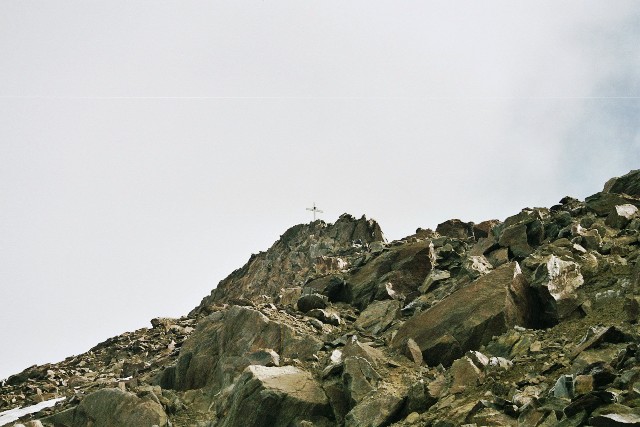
274 397
378 316
471 316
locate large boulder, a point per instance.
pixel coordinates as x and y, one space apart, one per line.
111 407
456 229
376 410
222 345
626 184
378 316
274 397
404 267
557 282
471 316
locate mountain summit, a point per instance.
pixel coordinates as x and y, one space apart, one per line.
527 321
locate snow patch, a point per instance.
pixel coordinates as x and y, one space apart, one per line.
15 414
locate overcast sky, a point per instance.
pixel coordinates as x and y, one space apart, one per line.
147 148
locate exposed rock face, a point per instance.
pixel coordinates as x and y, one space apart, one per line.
471 316
531 322
403 267
274 397
626 184
302 252
111 407
223 344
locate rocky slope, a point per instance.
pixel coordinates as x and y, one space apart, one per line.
530 321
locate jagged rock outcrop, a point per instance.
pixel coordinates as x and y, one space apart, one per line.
531 321
302 252
223 345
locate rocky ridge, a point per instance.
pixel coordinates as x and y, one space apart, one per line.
528 321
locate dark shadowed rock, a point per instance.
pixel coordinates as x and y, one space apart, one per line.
557 282
456 229
470 316
626 184
310 302
515 238
274 397
484 228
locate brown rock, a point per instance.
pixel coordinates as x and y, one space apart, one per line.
112 407
621 215
274 397
455 229
626 184
220 347
464 373
484 228
515 238
470 316
412 351
378 316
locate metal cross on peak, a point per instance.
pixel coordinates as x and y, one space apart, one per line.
315 210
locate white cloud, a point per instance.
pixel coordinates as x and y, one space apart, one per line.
412 112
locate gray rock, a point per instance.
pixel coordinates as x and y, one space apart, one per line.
376 410
626 184
378 316
621 215
111 407
359 378
557 282
470 316
274 397
219 349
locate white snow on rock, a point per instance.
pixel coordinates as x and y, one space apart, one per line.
15 414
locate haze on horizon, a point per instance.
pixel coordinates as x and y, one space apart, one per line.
148 148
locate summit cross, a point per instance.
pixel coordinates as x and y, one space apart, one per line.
315 210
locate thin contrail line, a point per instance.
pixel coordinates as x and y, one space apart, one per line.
268 98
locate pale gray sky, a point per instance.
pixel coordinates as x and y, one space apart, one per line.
147 148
